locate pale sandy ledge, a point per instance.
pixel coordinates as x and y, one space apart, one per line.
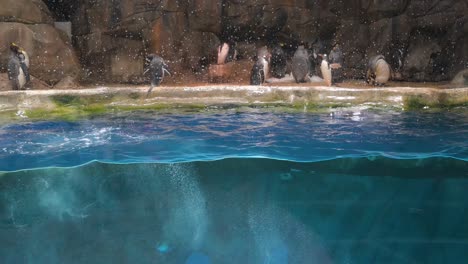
98 100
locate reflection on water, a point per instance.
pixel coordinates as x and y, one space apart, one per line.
152 137
238 211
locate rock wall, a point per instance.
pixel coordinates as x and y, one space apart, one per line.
30 24
424 40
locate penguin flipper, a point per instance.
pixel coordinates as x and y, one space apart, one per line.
262 76
25 69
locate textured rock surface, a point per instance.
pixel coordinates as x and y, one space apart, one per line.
30 25
24 11
431 34
51 58
424 40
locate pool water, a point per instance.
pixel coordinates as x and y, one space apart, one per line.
347 187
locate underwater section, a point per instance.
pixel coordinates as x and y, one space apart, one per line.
354 210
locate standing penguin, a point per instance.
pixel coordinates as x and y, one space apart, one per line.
261 67
278 62
326 70
232 52
264 53
223 51
300 65
18 67
335 59
396 62
316 49
157 69
378 71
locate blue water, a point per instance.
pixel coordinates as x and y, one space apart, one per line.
348 187
149 137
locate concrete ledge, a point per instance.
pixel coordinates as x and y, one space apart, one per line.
49 103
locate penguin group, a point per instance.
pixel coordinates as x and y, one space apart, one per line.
305 60
274 61
18 67
304 64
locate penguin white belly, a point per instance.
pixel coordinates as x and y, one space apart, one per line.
382 72
222 53
26 58
266 68
326 72
21 79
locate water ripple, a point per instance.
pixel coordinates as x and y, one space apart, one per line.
153 137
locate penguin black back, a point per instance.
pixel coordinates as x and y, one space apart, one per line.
157 69
315 59
257 75
300 64
14 71
232 52
336 56
278 62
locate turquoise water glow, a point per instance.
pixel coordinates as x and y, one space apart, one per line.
352 187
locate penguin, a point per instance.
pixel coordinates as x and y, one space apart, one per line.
157 69
266 55
223 51
260 69
397 57
335 60
278 62
300 64
316 49
232 52
336 56
257 75
396 62
18 67
378 71
326 70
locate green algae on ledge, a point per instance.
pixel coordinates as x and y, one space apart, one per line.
76 104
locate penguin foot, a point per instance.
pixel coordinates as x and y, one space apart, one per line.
149 91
